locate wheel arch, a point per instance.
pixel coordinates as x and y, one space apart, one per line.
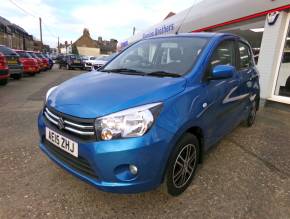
194 130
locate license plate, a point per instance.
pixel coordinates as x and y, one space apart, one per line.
62 142
12 62
77 61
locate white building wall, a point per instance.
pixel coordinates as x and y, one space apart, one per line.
270 54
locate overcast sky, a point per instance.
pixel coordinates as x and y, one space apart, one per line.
106 18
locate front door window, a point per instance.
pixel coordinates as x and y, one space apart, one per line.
283 80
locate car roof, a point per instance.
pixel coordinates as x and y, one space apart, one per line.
196 34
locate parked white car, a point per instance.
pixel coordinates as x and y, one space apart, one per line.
89 62
102 60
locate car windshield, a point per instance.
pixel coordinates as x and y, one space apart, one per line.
73 57
7 51
175 55
33 55
103 58
93 58
23 54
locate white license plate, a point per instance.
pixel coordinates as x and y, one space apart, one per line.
62 142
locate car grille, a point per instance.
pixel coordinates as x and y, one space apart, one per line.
81 128
79 164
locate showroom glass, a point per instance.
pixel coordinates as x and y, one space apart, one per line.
283 80
174 55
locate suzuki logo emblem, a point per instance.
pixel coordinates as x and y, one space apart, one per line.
60 123
272 17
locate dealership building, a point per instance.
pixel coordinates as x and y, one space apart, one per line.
264 23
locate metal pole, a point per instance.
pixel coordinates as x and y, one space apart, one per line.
40 29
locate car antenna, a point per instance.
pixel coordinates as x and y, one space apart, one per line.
189 10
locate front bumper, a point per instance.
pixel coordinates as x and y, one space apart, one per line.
109 160
15 69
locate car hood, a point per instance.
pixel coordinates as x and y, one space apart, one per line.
97 94
99 62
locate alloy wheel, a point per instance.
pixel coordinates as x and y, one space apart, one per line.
184 165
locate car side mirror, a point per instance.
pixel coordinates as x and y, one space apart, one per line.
222 72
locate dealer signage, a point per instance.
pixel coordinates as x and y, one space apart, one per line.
272 17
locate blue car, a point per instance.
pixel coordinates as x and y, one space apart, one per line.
147 117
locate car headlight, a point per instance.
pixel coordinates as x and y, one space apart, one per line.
49 92
133 122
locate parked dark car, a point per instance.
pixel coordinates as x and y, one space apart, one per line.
71 62
50 61
13 62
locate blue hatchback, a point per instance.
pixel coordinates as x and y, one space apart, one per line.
147 117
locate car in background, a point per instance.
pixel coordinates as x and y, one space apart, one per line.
13 62
44 60
39 60
102 60
71 61
50 61
4 70
30 65
90 62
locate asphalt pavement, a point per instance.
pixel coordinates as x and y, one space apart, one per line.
247 175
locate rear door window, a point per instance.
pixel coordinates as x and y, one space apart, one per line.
245 56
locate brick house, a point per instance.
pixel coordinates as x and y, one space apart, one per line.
85 45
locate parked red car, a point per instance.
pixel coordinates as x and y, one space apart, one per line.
44 60
39 60
4 70
30 64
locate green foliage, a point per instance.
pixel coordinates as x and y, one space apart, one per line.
74 50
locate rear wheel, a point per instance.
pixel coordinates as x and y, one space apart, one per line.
252 115
182 165
4 81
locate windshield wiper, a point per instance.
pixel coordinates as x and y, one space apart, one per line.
125 71
164 74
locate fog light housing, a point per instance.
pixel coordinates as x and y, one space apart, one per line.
133 169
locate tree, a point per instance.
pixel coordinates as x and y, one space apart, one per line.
74 49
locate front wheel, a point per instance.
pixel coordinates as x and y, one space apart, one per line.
182 165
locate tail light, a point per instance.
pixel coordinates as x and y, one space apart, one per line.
3 62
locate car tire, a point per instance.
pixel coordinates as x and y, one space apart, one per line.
4 81
182 165
68 67
16 76
252 115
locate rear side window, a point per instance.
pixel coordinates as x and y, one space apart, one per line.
6 51
245 59
224 54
